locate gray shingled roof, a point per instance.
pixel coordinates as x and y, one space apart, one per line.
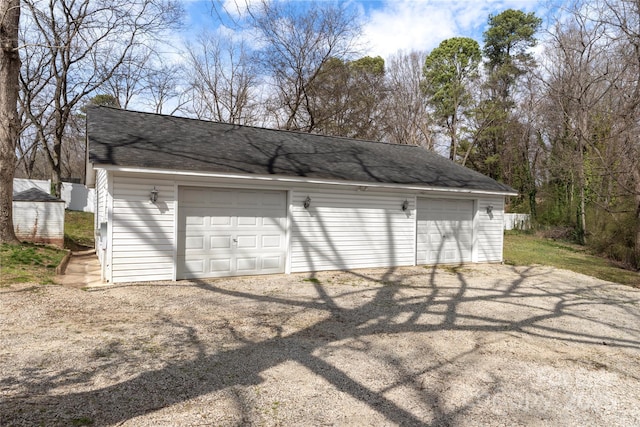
135 139
34 194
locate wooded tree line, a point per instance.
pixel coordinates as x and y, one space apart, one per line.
561 127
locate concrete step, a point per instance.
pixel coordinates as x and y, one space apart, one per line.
82 270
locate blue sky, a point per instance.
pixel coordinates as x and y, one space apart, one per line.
392 25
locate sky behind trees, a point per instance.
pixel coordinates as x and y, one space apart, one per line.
392 25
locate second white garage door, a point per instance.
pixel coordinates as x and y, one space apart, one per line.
225 232
445 231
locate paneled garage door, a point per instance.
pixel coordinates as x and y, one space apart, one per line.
445 231
224 232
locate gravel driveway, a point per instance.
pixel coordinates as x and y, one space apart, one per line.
478 345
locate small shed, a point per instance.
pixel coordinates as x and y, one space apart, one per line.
178 198
38 217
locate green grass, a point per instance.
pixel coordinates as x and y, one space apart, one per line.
527 249
31 263
28 262
78 230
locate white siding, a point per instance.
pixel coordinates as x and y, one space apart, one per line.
40 222
490 229
142 232
100 210
350 229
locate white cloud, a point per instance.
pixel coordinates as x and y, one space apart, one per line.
407 25
238 8
421 25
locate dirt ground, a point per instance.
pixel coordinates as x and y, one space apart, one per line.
478 345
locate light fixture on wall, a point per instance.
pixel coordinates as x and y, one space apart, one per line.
307 202
405 205
489 209
153 195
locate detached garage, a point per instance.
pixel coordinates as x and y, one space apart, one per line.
179 198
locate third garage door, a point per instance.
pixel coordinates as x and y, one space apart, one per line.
445 231
228 232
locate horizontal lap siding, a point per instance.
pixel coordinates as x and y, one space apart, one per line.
143 232
490 229
343 230
41 222
100 209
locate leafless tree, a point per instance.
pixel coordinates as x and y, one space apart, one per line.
127 82
407 120
9 122
72 48
163 86
296 40
224 80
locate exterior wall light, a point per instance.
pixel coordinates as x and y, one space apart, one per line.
405 205
307 202
489 209
153 195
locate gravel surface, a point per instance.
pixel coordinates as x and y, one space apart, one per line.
478 345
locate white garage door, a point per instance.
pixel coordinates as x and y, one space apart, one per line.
230 232
445 231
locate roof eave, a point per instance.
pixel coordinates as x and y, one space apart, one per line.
301 180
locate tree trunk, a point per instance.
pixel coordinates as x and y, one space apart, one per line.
453 134
636 248
9 123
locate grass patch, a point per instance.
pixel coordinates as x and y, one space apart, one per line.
527 249
78 230
28 262
82 421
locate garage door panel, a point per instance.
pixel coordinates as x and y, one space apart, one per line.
220 242
194 242
272 263
247 242
250 221
272 241
271 200
195 221
247 264
435 239
219 220
272 222
195 266
248 198
218 198
220 265
231 232
445 231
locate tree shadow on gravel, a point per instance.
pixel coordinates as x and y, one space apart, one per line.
388 308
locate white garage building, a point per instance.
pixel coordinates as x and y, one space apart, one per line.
179 198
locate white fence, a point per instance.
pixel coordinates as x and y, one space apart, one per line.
76 197
20 184
514 221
